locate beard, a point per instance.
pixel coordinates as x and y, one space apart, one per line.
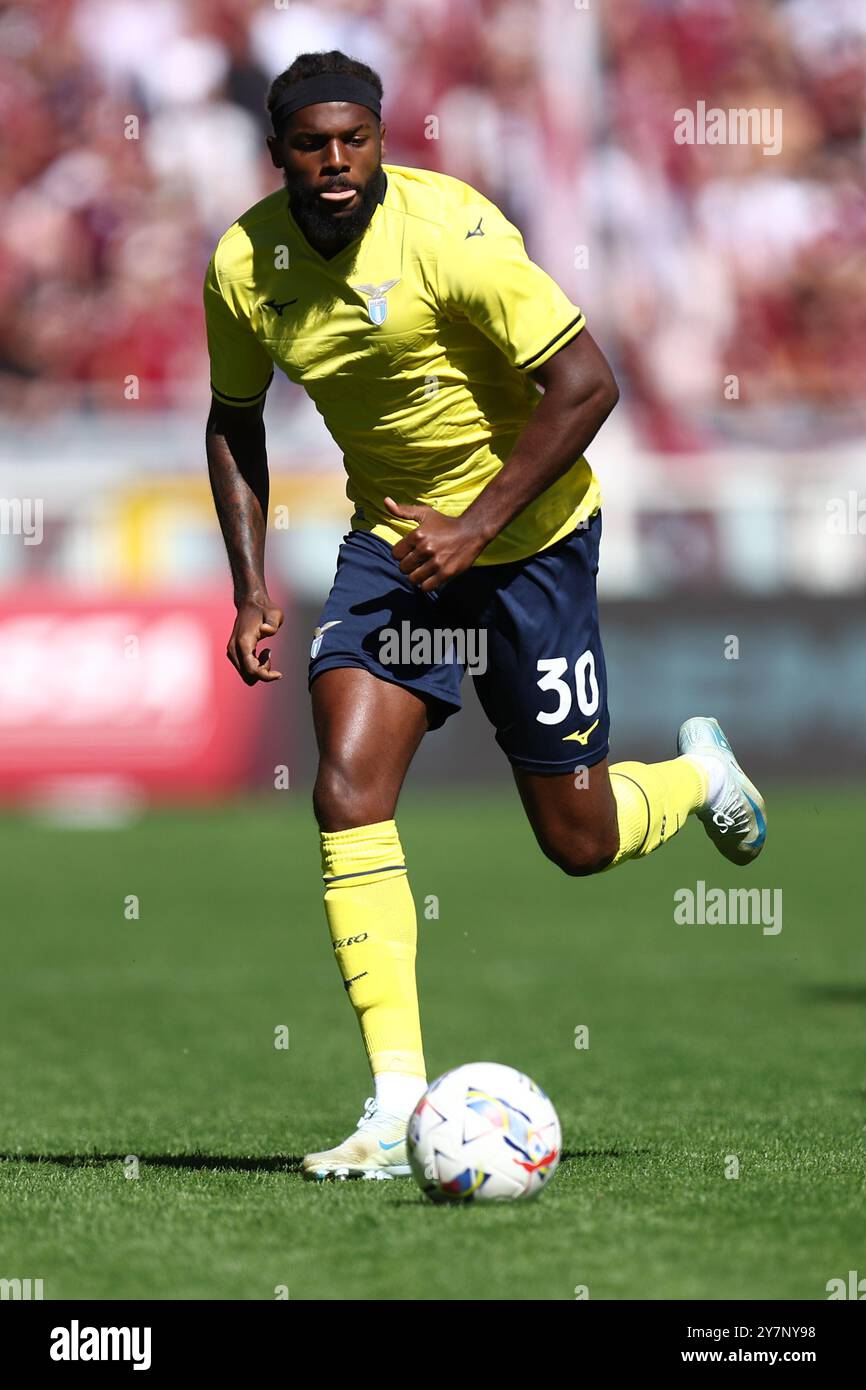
327 232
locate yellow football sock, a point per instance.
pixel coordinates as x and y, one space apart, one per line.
653 802
371 915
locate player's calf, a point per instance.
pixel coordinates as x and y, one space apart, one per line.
574 822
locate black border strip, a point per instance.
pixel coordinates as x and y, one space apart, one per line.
241 400
649 814
361 873
521 366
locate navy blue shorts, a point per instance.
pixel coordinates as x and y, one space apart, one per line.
526 631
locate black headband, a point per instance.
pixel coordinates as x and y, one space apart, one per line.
327 86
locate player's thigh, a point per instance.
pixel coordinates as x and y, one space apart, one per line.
367 731
376 690
545 692
573 815
544 685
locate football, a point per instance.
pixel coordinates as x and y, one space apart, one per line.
483 1132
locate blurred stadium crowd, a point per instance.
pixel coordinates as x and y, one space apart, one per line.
703 261
727 285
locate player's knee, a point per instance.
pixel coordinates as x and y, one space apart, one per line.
580 853
343 800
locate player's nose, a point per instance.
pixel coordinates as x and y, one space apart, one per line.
335 157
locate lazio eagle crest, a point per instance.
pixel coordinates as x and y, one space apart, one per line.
319 633
377 306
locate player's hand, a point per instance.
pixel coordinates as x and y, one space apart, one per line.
256 620
439 548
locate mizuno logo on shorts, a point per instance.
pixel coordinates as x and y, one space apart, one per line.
581 735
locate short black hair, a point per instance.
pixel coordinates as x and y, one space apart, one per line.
313 65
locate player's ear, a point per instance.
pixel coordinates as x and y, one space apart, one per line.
382 138
274 147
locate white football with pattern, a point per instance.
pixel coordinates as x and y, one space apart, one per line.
483 1132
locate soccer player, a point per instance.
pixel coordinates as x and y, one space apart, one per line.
463 387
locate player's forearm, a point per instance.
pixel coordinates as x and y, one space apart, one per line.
238 470
561 428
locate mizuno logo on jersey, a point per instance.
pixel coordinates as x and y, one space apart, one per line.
476 231
278 308
377 307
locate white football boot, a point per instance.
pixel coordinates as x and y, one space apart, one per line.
377 1149
735 818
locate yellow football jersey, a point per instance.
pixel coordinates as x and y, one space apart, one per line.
415 342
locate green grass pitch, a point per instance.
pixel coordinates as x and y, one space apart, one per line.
155 1038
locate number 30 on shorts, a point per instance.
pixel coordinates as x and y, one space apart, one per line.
585 686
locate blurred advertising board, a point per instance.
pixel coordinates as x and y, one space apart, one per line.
127 697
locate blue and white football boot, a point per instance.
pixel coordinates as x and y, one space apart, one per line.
734 817
376 1150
